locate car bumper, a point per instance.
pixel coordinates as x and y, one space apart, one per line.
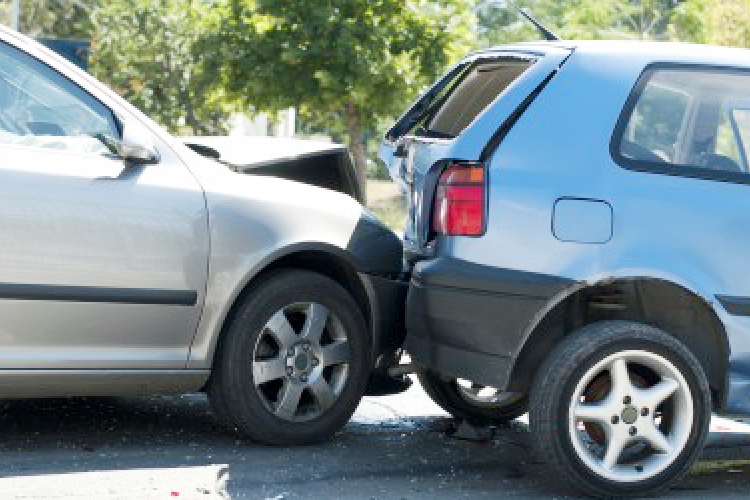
470 321
387 297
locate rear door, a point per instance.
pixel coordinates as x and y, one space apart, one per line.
461 118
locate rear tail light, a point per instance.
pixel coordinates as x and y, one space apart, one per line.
460 200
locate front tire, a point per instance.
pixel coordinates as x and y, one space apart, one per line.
293 364
620 409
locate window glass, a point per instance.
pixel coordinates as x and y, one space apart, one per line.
474 90
41 108
686 117
741 120
726 139
656 122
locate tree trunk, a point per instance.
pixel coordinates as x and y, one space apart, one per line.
190 119
356 146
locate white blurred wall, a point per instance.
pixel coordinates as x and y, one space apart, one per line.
262 124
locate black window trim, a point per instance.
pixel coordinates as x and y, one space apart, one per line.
672 169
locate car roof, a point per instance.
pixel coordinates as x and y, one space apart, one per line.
637 50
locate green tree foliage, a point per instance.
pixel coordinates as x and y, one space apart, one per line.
579 19
58 18
157 54
720 22
358 59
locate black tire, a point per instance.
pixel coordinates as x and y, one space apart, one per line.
447 394
565 370
231 389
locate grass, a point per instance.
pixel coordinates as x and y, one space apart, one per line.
386 201
711 466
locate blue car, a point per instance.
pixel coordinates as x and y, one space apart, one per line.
579 217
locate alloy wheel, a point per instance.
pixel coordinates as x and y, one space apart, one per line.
301 361
654 421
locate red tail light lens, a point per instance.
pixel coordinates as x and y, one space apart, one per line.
460 200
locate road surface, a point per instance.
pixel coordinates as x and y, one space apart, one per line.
395 447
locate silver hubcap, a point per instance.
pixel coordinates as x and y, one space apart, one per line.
301 361
484 395
639 430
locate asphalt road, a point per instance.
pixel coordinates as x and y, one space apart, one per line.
395 447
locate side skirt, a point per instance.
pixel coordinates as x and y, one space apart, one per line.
21 384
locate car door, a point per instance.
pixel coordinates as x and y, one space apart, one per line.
102 263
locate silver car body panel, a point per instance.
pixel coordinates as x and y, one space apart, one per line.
254 220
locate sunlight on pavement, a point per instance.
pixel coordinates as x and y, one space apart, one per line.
180 483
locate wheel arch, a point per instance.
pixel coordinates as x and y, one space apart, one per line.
672 307
321 258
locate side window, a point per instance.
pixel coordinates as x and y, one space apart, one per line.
41 108
694 119
655 125
726 139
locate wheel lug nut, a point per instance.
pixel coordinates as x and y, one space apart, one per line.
289 370
626 400
633 431
303 377
315 361
644 411
306 347
615 419
290 353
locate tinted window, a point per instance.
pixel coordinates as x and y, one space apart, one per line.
41 108
696 118
471 92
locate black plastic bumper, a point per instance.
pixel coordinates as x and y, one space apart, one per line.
387 298
469 321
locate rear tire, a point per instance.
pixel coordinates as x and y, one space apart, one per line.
293 363
620 409
459 401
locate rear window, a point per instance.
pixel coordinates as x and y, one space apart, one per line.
692 121
470 93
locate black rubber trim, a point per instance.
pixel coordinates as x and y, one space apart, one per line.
95 294
455 273
738 306
661 168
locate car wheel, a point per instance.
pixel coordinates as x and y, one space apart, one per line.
620 409
293 363
478 404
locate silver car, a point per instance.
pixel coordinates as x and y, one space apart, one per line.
129 264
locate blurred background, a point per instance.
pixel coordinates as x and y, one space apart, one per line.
334 70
